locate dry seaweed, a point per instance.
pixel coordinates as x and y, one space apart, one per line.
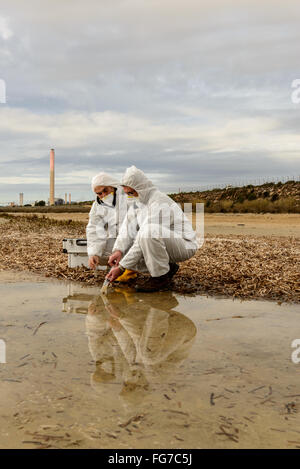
238 266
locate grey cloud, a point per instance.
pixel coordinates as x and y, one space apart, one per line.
177 65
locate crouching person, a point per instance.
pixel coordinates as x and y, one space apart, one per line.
153 237
106 216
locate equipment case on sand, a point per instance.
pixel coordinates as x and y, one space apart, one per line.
77 253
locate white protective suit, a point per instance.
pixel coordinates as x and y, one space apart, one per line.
156 232
105 219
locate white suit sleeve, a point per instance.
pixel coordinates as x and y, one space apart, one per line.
133 252
95 233
132 257
127 232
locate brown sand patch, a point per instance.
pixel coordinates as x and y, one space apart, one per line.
253 224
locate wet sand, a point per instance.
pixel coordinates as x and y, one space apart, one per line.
144 371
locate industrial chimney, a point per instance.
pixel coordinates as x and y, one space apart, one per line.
52 156
70 199
66 198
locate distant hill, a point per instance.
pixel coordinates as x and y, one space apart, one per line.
269 197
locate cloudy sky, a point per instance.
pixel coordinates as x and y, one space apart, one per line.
193 92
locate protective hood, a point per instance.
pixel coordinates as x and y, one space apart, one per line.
136 179
104 179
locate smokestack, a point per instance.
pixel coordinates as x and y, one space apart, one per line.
52 156
70 199
21 199
66 198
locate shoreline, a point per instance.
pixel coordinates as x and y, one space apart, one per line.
237 266
30 276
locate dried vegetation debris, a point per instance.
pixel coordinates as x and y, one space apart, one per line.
238 266
246 267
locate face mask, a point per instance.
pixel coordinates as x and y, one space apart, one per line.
108 199
132 198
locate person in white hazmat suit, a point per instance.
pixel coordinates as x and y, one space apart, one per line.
153 237
105 217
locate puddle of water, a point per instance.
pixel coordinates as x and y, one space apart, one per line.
144 370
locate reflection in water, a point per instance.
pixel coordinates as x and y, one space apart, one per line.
150 387
78 299
137 341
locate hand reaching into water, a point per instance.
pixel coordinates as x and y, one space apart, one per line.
114 273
